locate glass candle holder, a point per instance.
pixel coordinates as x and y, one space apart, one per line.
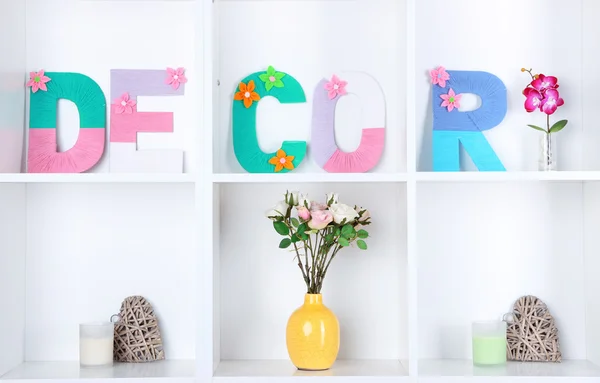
489 343
96 342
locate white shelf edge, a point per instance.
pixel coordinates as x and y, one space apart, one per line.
308 177
96 178
182 371
357 371
463 368
531 176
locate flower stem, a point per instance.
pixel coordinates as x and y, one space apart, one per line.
531 74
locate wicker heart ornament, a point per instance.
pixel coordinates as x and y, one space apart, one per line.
137 335
532 335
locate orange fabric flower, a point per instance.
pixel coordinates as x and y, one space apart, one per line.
282 160
247 94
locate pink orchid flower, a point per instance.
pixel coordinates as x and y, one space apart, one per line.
451 100
37 81
541 83
439 76
534 99
336 87
175 77
551 101
124 104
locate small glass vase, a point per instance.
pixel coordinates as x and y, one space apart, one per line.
547 159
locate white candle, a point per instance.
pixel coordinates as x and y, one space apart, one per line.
96 344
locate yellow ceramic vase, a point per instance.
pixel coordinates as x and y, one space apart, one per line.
313 335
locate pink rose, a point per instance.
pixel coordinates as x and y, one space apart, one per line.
320 219
366 215
303 213
314 206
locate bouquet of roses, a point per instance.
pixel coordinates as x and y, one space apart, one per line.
317 232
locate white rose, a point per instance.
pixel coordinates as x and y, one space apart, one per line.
343 212
278 210
303 200
292 198
332 196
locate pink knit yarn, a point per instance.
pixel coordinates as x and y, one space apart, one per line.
43 158
362 159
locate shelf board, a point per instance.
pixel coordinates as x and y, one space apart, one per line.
363 371
308 177
472 176
461 368
96 178
162 371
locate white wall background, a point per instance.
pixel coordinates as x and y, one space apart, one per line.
261 285
12 275
482 246
91 246
97 36
12 91
592 265
311 40
501 37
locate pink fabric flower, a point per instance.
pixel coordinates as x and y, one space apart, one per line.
551 101
541 83
37 81
124 104
336 87
303 213
439 76
320 219
175 77
534 99
314 206
451 100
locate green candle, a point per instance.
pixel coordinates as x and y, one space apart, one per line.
489 343
489 350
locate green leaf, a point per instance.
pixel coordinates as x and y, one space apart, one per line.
263 77
268 85
302 228
536 128
285 243
295 238
344 242
361 244
337 232
270 70
363 234
329 238
281 228
558 126
295 222
303 236
348 231
279 75
278 84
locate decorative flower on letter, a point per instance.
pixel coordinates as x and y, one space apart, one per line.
37 81
247 94
282 160
451 100
124 104
175 77
336 87
272 78
439 76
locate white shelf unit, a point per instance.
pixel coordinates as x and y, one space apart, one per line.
447 248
